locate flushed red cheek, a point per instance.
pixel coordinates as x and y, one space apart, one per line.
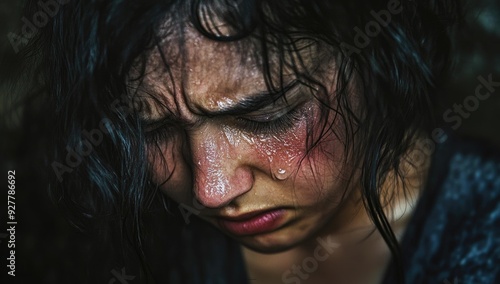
287 153
220 152
289 159
276 154
283 152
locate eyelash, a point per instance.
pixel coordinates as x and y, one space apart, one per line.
159 134
278 125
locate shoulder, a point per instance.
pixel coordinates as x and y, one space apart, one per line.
454 236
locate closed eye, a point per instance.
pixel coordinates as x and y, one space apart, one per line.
275 123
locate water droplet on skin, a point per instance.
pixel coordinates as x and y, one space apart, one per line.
249 140
263 139
277 138
216 182
232 136
225 103
281 174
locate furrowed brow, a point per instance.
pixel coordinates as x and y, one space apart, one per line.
249 104
252 102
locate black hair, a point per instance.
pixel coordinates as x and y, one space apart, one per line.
87 51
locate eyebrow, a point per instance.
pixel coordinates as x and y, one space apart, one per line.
244 106
253 102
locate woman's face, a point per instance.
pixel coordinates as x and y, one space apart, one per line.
248 173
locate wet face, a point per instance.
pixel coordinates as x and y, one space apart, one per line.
238 153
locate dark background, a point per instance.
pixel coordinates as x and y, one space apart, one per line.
48 249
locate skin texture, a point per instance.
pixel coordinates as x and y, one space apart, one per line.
215 164
234 171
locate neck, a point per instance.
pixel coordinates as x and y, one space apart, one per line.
362 254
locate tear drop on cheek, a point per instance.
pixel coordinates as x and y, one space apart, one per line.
281 174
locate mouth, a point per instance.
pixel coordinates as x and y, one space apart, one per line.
257 222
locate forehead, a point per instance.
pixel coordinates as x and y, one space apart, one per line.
215 73
190 73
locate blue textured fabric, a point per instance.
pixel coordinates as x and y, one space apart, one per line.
454 236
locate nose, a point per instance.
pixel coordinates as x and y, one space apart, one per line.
220 170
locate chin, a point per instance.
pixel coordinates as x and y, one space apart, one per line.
270 243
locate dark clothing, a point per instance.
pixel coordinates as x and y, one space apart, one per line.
454 235
452 238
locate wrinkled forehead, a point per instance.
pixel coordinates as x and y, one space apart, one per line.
189 72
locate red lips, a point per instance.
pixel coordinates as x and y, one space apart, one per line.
252 223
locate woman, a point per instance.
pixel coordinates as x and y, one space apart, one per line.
299 130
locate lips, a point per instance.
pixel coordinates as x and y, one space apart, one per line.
253 223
